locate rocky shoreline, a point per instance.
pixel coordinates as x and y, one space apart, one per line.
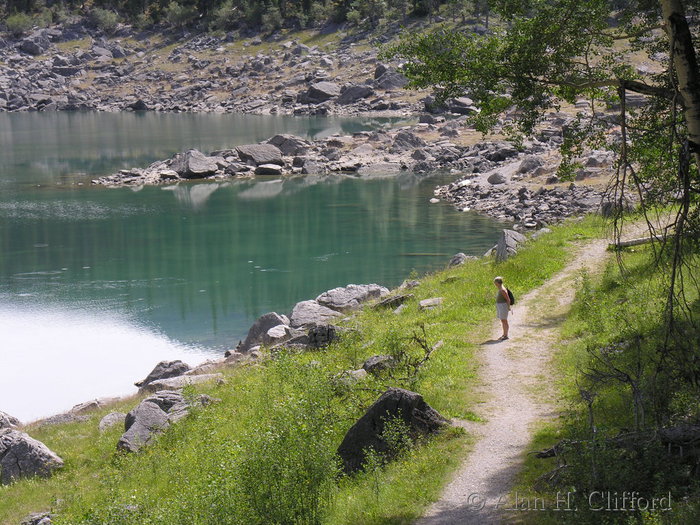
494 178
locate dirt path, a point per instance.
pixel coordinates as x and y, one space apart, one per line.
516 388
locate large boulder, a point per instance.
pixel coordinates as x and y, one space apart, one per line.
350 297
322 91
367 432
258 154
22 457
462 106
406 140
260 327
7 421
310 313
35 44
351 94
508 244
142 424
152 417
290 145
163 370
194 164
391 79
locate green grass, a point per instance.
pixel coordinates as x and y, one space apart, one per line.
271 438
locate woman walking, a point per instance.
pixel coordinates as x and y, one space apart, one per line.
502 306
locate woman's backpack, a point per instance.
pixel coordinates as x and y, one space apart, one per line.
511 296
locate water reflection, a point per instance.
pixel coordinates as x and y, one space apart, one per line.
43 371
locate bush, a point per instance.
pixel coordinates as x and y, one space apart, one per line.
271 19
179 15
103 19
226 17
18 23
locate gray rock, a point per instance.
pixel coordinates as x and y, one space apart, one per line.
352 94
377 363
457 259
322 335
8 421
391 80
367 432
276 335
290 145
394 301
258 154
269 169
164 370
351 296
322 91
508 244
110 420
23 457
260 327
427 304
194 164
142 424
497 178
529 163
308 313
38 518
406 140
176 383
34 45
462 106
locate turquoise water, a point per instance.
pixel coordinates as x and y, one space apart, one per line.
109 281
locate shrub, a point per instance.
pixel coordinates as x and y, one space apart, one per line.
226 17
103 19
179 15
18 23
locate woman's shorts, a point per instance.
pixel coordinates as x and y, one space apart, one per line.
502 310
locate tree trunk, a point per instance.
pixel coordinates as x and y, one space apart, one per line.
686 65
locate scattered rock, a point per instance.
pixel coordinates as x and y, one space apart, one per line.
393 301
322 335
176 383
152 417
459 259
23 457
497 178
193 164
350 297
367 432
38 518
508 244
257 154
427 304
164 370
308 313
110 420
377 363
260 328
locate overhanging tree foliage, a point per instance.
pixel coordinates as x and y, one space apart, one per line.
549 51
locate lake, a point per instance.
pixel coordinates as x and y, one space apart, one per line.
99 284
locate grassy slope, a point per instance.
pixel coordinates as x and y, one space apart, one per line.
294 408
